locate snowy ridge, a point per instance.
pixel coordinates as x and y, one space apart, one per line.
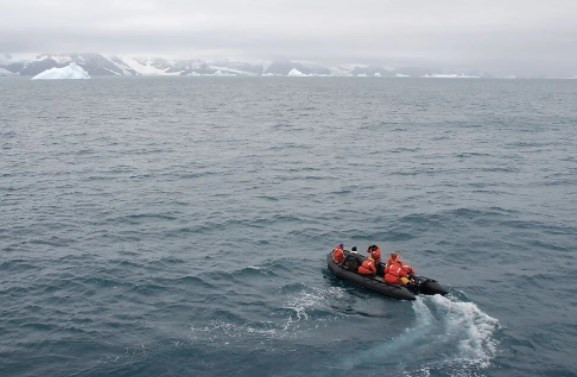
146 67
5 72
111 65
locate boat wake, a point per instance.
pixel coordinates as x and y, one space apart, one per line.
297 314
464 333
312 300
447 337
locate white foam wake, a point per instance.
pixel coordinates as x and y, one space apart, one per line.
293 319
467 326
449 335
314 298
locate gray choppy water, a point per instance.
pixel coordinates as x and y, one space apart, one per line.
179 227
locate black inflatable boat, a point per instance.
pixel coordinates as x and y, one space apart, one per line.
421 285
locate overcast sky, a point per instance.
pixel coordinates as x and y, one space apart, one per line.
526 37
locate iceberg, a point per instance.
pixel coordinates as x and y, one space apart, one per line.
223 74
295 73
449 76
71 72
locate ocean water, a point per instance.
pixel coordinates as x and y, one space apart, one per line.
179 227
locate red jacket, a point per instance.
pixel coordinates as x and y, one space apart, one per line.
394 272
338 256
408 269
376 255
367 268
391 261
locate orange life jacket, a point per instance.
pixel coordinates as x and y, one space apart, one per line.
391 261
338 255
408 269
367 268
394 272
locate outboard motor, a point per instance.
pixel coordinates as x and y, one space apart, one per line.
432 287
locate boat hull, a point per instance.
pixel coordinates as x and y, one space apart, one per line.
372 283
422 284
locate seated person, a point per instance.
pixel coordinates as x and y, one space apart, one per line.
393 258
375 252
394 273
368 267
352 260
338 254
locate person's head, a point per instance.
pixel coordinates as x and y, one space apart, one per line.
341 245
395 256
370 259
354 248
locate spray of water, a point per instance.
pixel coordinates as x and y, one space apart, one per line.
446 334
295 318
468 328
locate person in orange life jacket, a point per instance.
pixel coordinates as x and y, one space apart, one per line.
368 267
375 252
394 273
338 254
393 258
407 268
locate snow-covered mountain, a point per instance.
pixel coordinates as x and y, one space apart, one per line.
107 65
103 65
94 64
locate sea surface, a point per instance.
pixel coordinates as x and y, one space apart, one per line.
179 227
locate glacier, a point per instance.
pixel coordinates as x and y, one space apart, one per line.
71 72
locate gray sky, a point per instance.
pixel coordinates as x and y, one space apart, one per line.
524 37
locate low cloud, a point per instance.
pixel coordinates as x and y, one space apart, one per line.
512 37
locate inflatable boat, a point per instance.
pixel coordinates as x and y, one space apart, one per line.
421 284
